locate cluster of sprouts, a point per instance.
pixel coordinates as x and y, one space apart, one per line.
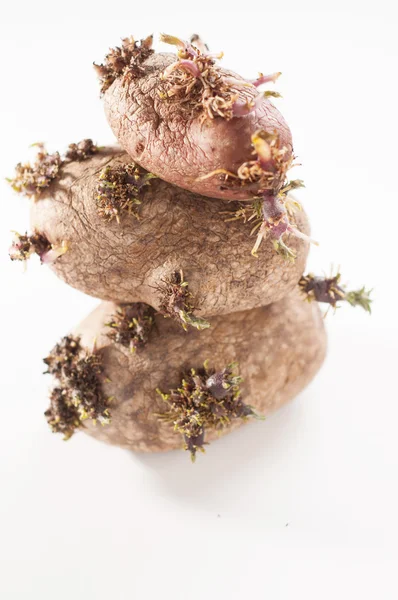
124 61
78 395
195 81
206 400
131 325
81 151
31 179
23 246
329 290
272 210
177 302
120 189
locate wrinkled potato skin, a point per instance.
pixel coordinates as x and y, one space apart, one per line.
127 262
179 148
279 349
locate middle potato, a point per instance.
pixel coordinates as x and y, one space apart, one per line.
130 259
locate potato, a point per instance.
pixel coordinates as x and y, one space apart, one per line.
180 143
137 260
279 348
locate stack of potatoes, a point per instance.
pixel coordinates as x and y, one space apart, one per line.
195 335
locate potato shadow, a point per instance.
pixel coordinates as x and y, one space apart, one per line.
254 451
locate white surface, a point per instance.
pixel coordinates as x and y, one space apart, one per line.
301 506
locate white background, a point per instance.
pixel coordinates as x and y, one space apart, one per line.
301 506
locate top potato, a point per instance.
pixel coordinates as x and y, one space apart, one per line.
160 115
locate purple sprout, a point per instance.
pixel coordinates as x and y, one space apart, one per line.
51 256
186 64
184 49
241 108
276 223
273 164
265 79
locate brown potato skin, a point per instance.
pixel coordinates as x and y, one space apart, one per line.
127 262
179 147
279 349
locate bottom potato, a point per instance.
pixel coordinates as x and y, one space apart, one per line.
278 348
